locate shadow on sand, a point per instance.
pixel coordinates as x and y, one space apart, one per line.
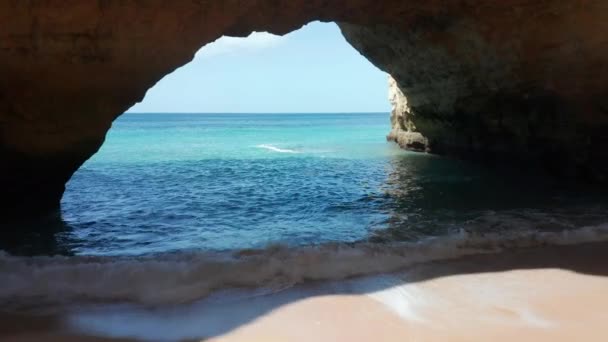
226 311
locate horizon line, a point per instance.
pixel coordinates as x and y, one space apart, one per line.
372 112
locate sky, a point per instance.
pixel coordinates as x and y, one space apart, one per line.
311 70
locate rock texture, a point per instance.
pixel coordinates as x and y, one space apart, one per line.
482 78
524 82
403 130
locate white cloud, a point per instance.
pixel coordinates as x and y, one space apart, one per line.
228 45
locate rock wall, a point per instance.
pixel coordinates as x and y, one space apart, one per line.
403 130
482 78
526 83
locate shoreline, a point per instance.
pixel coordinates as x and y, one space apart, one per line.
544 293
181 278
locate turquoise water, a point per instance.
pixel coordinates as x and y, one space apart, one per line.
217 182
177 206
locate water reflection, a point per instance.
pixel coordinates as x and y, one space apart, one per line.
409 197
431 196
48 236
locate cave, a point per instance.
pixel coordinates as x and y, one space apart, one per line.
475 79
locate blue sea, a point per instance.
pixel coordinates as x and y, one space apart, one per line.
170 182
166 182
176 206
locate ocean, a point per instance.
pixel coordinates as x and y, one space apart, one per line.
176 206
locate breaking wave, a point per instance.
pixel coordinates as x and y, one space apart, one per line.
187 276
276 149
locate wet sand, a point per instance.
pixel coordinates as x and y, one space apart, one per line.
541 294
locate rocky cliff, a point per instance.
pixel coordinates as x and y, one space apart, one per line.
403 130
524 83
487 79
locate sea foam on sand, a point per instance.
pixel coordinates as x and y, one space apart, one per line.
535 294
183 277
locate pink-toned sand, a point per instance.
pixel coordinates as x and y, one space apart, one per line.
532 305
513 296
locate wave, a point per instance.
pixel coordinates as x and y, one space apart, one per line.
188 276
276 149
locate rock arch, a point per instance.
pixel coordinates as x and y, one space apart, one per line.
525 78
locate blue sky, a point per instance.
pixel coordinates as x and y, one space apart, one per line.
313 69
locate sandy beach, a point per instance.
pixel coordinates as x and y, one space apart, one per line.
540 294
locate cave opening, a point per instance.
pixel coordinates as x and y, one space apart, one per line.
190 226
253 132
276 139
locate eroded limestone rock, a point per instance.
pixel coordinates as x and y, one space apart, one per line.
527 83
403 130
482 78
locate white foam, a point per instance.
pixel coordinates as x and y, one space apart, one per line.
276 149
188 276
404 299
533 319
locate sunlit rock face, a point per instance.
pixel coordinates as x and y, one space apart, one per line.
491 79
403 130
